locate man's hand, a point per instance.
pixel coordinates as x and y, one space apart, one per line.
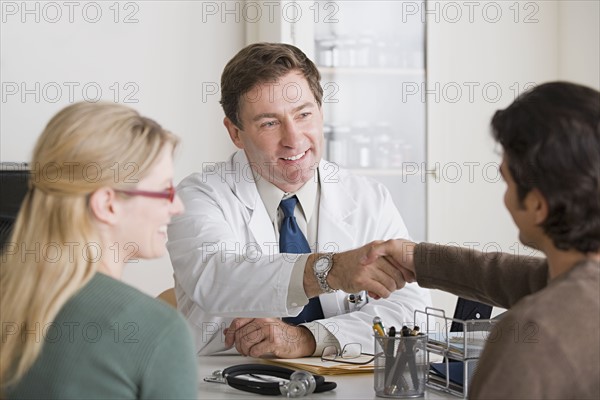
258 337
399 252
364 268
378 267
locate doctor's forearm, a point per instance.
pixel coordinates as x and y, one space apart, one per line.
311 286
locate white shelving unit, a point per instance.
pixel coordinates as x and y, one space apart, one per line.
370 66
371 71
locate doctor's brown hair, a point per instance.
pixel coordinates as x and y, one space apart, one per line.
263 62
551 138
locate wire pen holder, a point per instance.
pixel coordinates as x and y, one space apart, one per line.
460 349
401 369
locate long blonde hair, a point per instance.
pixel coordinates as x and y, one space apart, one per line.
50 254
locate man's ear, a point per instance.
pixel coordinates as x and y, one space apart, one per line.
234 133
102 204
537 203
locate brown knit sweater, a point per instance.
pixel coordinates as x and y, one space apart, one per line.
547 346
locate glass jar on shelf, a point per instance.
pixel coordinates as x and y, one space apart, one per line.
325 48
338 144
381 145
347 51
380 58
396 152
361 150
409 155
362 142
396 56
363 51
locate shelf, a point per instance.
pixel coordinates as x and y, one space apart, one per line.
380 171
371 71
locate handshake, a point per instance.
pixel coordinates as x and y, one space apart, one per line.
379 267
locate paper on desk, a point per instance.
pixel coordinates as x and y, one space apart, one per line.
316 366
455 342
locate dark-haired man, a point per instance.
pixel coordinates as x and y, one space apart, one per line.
547 344
259 232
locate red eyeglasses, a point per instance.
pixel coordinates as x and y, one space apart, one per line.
168 194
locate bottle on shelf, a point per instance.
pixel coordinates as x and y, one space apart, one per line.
381 145
325 49
362 138
362 150
397 151
338 144
364 48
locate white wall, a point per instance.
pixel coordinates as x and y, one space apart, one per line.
579 42
167 56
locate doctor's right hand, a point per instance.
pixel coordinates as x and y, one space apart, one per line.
399 252
366 269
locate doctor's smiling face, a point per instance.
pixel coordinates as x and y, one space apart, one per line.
282 131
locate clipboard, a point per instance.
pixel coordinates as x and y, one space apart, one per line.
319 367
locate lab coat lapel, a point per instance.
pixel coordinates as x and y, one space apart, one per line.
337 204
260 226
259 222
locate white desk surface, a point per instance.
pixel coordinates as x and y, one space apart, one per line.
349 387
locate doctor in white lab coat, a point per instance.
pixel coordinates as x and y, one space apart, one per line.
229 275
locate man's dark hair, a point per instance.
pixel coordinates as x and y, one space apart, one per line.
551 140
259 63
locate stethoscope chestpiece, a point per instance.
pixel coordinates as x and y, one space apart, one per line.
301 384
216 377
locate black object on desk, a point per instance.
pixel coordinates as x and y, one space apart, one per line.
469 310
14 178
455 371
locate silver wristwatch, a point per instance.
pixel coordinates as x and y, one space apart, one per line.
322 267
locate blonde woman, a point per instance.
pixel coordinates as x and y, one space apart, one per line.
100 195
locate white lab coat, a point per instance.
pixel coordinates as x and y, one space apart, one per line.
226 261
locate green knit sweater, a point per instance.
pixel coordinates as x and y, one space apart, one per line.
110 341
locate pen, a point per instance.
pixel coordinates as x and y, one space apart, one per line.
389 349
412 363
395 378
392 331
405 331
407 357
378 327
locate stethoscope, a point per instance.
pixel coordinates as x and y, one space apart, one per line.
300 383
358 300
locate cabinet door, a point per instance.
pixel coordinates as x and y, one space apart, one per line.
371 57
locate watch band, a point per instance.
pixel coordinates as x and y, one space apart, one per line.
322 276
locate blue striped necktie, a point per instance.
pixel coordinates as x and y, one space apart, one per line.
291 240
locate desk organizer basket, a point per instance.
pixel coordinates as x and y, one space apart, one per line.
464 345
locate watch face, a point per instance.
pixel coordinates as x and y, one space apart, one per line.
322 265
